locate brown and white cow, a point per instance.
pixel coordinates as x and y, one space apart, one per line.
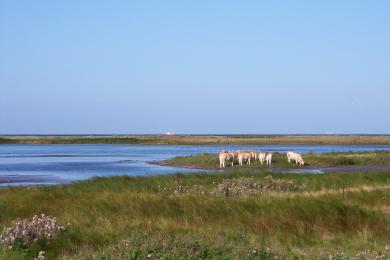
225 156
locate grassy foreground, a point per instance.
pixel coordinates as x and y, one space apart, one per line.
211 161
201 140
237 214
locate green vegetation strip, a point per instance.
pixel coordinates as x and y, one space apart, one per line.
211 161
201 140
191 216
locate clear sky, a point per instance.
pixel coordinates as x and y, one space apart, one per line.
255 67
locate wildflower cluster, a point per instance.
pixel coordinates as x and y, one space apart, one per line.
373 254
367 254
260 254
181 189
280 185
41 256
164 190
246 186
24 232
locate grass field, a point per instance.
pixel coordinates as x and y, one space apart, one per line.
234 214
211 161
200 140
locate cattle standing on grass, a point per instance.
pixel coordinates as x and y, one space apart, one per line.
295 157
244 157
225 156
253 154
261 157
268 159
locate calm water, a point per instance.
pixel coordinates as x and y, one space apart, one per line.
53 164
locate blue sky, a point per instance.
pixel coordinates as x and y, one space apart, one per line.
255 67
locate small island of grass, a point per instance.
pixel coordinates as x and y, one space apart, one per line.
211 161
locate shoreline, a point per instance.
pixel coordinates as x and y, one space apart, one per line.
192 166
318 169
20 180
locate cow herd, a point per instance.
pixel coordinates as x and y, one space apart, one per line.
241 157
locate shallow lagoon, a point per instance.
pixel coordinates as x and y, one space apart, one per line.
54 164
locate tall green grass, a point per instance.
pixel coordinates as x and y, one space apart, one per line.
102 212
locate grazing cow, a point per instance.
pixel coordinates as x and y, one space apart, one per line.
268 159
261 157
243 156
225 156
231 158
296 157
253 154
222 158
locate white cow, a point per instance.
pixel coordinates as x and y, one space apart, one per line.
261 157
225 156
296 157
244 156
253 154
268 159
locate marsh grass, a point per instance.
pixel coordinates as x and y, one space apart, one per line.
126 217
